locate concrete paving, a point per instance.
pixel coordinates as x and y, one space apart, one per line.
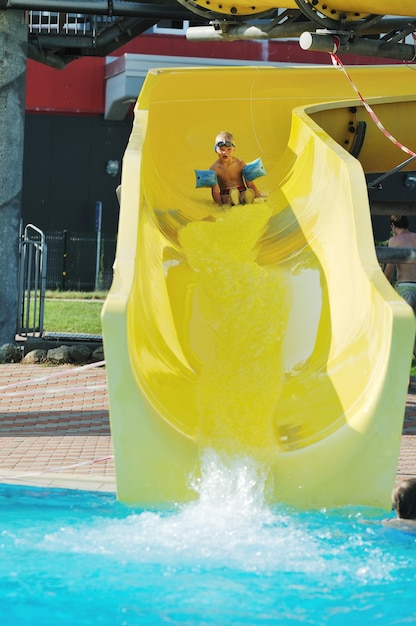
54 427
55 432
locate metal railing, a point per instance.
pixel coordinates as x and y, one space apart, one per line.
32 281
63 261
52 22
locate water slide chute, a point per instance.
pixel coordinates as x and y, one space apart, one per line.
267 330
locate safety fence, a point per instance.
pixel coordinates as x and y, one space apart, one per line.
31 280
63 261
79 261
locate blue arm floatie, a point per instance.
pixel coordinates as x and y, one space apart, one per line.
253 170
205 178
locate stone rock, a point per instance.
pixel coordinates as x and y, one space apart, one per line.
80 354
59 355
34 356
9 353
98 354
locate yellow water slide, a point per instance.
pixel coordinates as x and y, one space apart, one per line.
350 10
265 330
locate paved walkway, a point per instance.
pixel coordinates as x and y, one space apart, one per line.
54 428
407 458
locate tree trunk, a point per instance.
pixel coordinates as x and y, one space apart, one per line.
13 55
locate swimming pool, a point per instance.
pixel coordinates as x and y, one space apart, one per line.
81 558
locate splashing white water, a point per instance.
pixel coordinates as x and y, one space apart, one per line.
229 525
235 486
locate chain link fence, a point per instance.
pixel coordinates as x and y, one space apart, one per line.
79 261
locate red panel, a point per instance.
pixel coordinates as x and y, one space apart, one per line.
176 45
78 88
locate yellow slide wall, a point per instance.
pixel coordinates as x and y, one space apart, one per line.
265 330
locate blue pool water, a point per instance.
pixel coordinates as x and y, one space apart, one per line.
81 558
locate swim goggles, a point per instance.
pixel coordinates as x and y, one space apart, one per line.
224 144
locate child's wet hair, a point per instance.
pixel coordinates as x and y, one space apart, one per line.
404 499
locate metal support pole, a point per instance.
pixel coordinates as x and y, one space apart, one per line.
270 29
100 7
98 225
344 44
64 259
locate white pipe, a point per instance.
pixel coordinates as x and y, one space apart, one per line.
234 32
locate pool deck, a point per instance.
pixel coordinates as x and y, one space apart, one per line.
55 431
54 427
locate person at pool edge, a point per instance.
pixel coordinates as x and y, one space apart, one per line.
232 188
406 272
404 504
